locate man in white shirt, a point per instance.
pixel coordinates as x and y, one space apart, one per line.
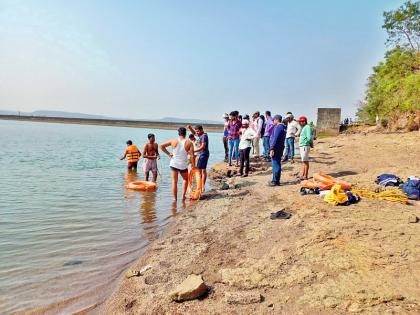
293 131
258 124
245 145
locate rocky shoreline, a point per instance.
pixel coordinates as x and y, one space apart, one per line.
323 260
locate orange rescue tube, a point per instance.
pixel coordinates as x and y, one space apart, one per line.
312 184
330 181
142 185
196 183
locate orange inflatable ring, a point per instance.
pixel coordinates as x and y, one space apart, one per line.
196 183
329 181
142 185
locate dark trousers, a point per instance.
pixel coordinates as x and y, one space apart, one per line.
276 163
225 144
244 156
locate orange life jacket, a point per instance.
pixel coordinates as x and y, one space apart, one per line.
133 153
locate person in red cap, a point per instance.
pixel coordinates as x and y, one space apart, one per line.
305 145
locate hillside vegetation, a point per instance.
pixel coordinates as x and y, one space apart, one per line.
393 90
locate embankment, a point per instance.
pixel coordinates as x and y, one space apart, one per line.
323 260
110 122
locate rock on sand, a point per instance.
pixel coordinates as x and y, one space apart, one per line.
191 288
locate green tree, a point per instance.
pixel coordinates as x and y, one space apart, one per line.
403 25
394 86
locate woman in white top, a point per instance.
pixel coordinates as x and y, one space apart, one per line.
181 149
247 136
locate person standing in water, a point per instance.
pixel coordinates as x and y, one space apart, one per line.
181 148
132 153
196 145
150 155
203 149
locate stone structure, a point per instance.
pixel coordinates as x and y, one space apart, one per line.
328 120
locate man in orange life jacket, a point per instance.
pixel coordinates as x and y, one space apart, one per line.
132 153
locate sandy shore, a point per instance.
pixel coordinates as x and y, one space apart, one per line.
324 260
110 122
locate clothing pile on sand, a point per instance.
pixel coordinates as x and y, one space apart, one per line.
337 192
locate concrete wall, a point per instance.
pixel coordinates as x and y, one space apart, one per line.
328 120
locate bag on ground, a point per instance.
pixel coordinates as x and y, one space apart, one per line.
412 188
388 180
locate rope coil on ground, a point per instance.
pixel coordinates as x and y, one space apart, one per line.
388 195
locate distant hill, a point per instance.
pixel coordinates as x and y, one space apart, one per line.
53 113
61 114
189 120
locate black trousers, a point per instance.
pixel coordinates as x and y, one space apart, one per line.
244 156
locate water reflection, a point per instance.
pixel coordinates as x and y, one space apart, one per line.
148 203
175 208
148 214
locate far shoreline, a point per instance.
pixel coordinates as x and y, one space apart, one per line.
111 122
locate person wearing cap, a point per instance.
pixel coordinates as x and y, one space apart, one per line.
305 145
293 130
268 130
225 135
276 149
257 125
245 145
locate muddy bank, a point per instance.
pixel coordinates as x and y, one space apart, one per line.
323 260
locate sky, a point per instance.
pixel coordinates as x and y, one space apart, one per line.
188 59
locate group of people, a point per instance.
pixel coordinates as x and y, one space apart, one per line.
193 151
241 139
242 136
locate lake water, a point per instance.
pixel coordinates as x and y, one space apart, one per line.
68 226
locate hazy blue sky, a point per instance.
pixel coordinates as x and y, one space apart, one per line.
198 59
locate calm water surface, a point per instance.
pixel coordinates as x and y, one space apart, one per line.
68 225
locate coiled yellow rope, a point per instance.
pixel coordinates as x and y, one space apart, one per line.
388 195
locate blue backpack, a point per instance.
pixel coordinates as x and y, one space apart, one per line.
412 188
388 180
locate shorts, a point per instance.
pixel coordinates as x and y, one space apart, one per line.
202 162
149 165
132 165
178 170
304 153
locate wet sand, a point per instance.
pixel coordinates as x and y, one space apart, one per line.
324 260
111 122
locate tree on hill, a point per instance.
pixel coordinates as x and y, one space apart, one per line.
394 86
403 26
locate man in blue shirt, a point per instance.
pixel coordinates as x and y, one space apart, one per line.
203 150
277 141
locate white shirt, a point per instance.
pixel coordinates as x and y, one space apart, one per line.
246 138
293 129
180 156
258 124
